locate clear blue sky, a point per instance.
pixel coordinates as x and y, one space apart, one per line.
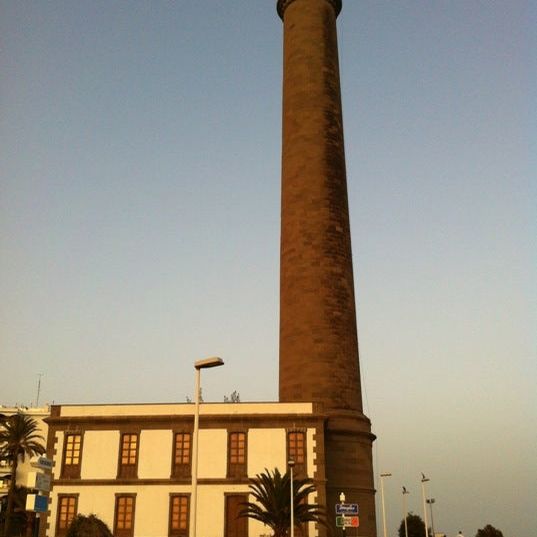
139 221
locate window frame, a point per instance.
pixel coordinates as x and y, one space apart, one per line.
128 470
300 468
122 532
59 531
172 532
181 469
237 469
70 470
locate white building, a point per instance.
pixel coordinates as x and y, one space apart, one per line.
131 464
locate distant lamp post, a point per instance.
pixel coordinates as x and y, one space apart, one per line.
423 481
291 464
382 476
430 501
405 510
199 365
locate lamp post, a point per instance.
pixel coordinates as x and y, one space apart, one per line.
291 464
214 361
423 481
430 501
382 476
405 511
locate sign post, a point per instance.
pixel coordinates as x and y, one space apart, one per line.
347 521
43 463
347 509
36 503
347 515
40 481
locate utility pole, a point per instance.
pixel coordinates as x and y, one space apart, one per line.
430 501
405 510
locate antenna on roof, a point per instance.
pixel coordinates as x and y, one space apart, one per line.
39 375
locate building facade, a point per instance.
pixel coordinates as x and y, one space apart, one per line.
131 464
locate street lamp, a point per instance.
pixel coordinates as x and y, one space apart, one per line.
430 501
291 464
423 481
382 476
405 511
199 365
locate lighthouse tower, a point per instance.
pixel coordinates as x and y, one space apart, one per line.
318 336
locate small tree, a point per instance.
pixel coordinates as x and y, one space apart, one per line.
234 397
88 526
416 526
272 506
18 438
489 531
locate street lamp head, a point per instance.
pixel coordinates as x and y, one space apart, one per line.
430 500
423 478
291 463
405 491
386 475
213 361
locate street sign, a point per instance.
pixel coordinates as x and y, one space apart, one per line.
346 508
39 481
43 463
347 521
36 503
43 482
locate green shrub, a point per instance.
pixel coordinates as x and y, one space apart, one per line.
88 526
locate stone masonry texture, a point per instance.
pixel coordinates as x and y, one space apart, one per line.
318 336
317 313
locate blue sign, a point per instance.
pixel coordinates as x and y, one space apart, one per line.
346 509
41 504
36 503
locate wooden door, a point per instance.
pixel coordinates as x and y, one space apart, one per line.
236 526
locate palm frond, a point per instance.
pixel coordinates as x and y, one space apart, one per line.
20 437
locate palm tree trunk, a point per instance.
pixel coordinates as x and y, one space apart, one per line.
11 496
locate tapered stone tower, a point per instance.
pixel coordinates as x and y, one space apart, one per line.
318 336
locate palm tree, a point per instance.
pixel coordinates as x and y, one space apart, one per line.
272 506
18 437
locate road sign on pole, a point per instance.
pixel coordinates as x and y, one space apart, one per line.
37 503
43 463
39 481
346 508
347 521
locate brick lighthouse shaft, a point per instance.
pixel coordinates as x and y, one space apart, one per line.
318 336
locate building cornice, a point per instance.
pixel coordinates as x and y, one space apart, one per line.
219 421
284 4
